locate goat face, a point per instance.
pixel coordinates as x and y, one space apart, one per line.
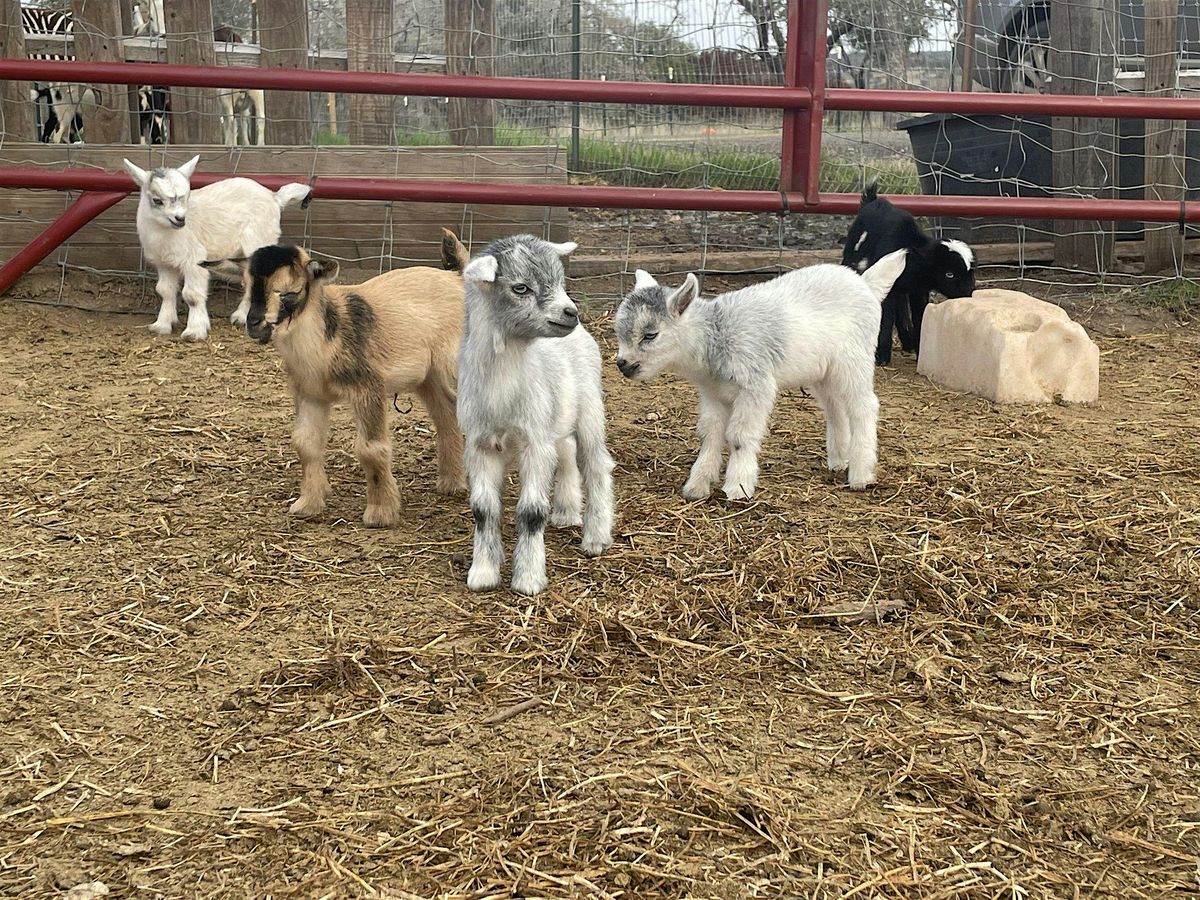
280 279
951 265
521 279
647 326
165 192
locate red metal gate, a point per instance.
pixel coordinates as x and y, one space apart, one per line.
803 98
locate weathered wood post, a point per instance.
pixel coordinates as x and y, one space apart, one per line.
1164 137
1083 62
470 30
283 33
195 113
369 49
16 112
98 34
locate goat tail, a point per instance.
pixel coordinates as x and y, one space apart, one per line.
290 193
881 276
871 190
454 255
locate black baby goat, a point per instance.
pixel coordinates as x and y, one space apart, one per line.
946 266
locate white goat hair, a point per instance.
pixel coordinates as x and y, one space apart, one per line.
813 328
529 393
243 117
180 228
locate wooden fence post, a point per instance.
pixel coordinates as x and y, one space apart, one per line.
470 30
1083 62
369 49
1164 137
16 112
189 34
98 33
283 34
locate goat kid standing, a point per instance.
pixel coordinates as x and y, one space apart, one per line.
812 328
361 344
180 228
946 266
529 393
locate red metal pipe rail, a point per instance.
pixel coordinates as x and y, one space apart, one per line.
1125 107
74 217
474 192
415 85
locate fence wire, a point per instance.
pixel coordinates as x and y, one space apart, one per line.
899 44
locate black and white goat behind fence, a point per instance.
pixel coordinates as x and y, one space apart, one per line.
945 266
243 116
60 106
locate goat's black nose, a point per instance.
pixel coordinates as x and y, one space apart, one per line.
571 314
627 368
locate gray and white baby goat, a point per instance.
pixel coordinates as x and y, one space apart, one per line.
529 392
813 328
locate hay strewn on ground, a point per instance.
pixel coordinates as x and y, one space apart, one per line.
207 699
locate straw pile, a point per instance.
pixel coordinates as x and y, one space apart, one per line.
980 679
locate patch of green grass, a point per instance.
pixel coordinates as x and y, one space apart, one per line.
505 137
325 138
1180 296
666 166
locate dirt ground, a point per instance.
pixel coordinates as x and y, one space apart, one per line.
205 698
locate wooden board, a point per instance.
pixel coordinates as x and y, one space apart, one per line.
370 234
154 49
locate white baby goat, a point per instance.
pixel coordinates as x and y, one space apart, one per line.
180 228
529 391
813 328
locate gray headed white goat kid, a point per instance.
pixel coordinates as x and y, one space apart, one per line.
529 392
813 328
180 228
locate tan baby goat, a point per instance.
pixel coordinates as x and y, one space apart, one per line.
361 344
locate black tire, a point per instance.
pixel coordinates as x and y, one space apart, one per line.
1027 59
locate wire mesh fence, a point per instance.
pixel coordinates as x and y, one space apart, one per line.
983 45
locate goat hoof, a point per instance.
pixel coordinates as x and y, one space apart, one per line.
161 328
194 334
566 519
237 317
451 486
529 584
480 579
380 516
737 492
696 491
860 485
307 509
594 548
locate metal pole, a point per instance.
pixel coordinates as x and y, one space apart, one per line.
804 69
588 91
605 196
968 54
74 217
576 74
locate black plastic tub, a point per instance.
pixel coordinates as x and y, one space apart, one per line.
1006 156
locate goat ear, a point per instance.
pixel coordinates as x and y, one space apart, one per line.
683 296
643 279
141 176
323 271
189 167
565 249
481 268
